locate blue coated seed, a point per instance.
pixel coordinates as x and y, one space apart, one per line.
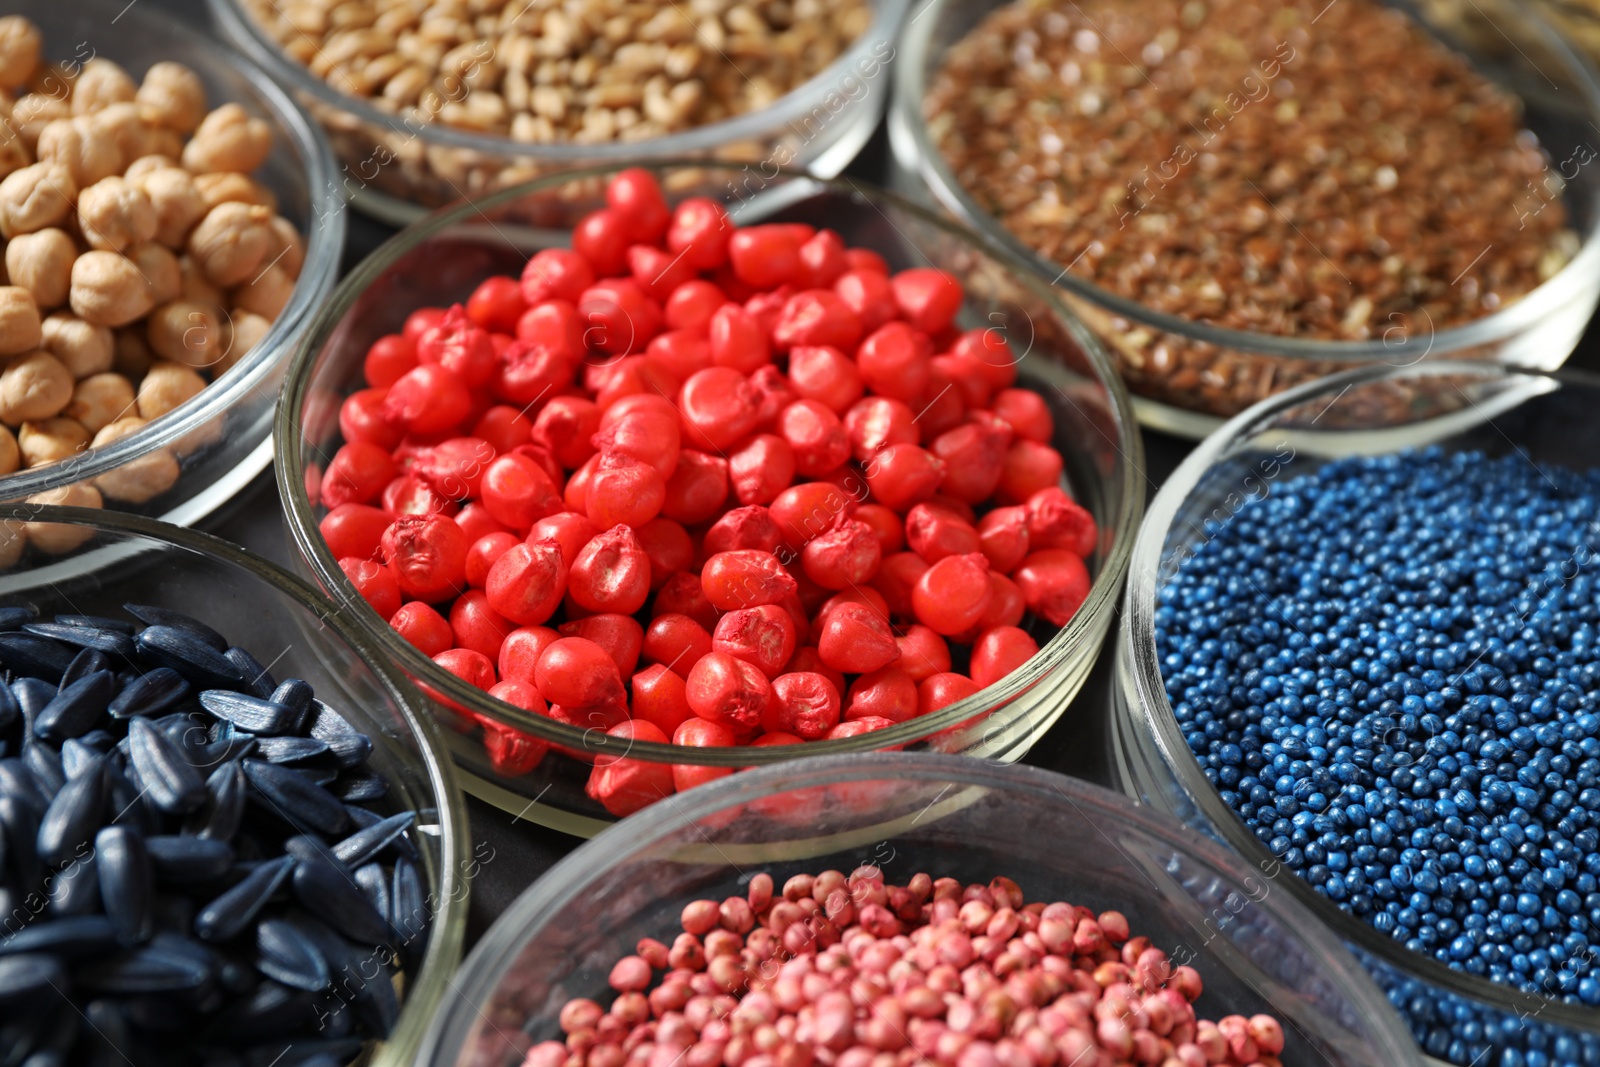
1390 667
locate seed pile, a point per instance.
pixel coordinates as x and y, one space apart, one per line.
751 458
854 972
141 260
1389 669
556 70
1279 166
193 863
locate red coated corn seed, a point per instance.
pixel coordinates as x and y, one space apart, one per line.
751 453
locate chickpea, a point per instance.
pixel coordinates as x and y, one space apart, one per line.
51 440
33 113
122 125
289 249
163 142
163 278
130 354
101 399
58 538
108 290
75 145
19 321
225 186
115 215
139 480
165 386
187 332
172 96
20 45
266 293
41 263
34 385
228 139
10 454
14 151
148 164
231 242
177 202
100 84
195 286
83 348
246 329
35 197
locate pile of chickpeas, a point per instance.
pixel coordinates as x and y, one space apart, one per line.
141 261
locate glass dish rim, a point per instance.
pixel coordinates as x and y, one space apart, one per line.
793 105
303 525
324 245
1138 673
1579 274
491 958
425 989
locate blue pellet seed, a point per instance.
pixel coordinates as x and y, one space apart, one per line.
176 812
1390 670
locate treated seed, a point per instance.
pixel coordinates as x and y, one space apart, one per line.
77 707
33 657
31 695
17 781
143 972
88 661
77 757
374 882
258 680
350 747
362 846
126 883
182 859
360 788
151 615
45 763
252 714
30 980
180 649
168 778
112 642
73 817
96 622
408 906
75 889
69 939
13 618
295 798
226 917
285 955
319 885
149 693
289 749
223 811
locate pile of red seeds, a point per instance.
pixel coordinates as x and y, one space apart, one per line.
850 972
752 459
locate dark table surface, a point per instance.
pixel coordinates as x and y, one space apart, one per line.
522 851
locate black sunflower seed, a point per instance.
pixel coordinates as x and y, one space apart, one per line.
296 799
152 615
179 859
365 845
149 693
226 916
126 883
77 707
286 955
202 665
323 887
169 780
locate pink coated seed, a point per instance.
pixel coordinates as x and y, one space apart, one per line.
848 971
